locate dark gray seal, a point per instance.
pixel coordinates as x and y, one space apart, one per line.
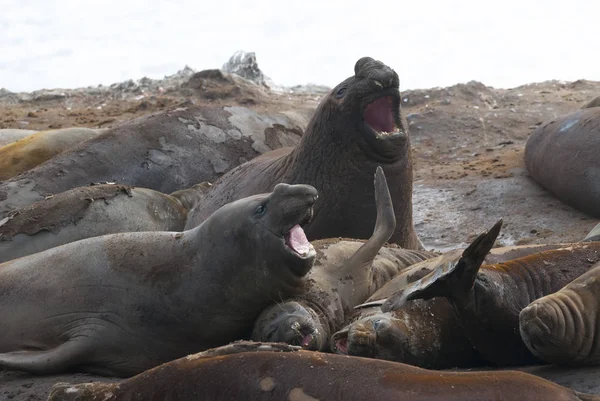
165 151
562 156
356 128
344 275
92 211
276 372
123 303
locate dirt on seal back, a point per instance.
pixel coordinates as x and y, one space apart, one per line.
468 143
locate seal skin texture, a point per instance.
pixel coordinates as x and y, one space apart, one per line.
123 303
269 372
92 211
345 274
489 298
425 333
165 151
562 156
356 128
562 328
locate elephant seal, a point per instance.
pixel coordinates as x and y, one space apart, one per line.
123 303
35 149
488 299
595 102
425 333
593 235
10 135
571 140
262 371
356 128
338 281
165 151
562 328
92 211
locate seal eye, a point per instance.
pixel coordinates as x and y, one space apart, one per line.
260 210
340 93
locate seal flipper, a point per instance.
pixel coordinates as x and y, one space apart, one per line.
453 280
54 360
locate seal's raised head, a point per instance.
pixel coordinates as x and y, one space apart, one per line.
290 323
367 105
269 224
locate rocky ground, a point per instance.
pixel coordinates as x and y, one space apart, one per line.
468 142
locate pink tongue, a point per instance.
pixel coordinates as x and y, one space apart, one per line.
297 240
306 340
379 115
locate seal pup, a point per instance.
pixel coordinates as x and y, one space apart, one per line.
164 151
123 303
356 128
338 281
489 298
35 149
562 328
275 372
92 211
571 140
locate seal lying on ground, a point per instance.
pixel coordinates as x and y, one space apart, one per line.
421 333
562 156
562 328
35 149
357 127
10 135
123 303
165 151
488 299
259 371
92 211
344 275
595 102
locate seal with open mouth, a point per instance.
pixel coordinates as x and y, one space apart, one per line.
356 128
276 372
345 274
123 303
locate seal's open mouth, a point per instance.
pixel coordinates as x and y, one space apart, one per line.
341 345
382 117
295 240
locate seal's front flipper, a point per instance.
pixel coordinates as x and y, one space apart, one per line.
55 360
77 392
453 280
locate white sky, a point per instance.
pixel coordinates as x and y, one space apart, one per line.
73 43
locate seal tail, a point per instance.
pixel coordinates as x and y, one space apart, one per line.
384 227
453 280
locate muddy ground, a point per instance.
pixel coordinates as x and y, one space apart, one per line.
468 143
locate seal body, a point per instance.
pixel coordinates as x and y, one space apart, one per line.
356 128
562 156
123 303
165 151
92 211
35 149
425 333
562 328
268 372
345 274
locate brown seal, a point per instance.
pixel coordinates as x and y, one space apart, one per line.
356 128
562 328
276 372
425 333
35 149
344 275
562 156
165 151
91 211
123 303
489 299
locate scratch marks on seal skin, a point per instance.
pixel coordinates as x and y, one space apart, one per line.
568 125
298 394
267 384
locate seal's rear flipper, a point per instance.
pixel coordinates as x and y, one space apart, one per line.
453 280
54 360
75 392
